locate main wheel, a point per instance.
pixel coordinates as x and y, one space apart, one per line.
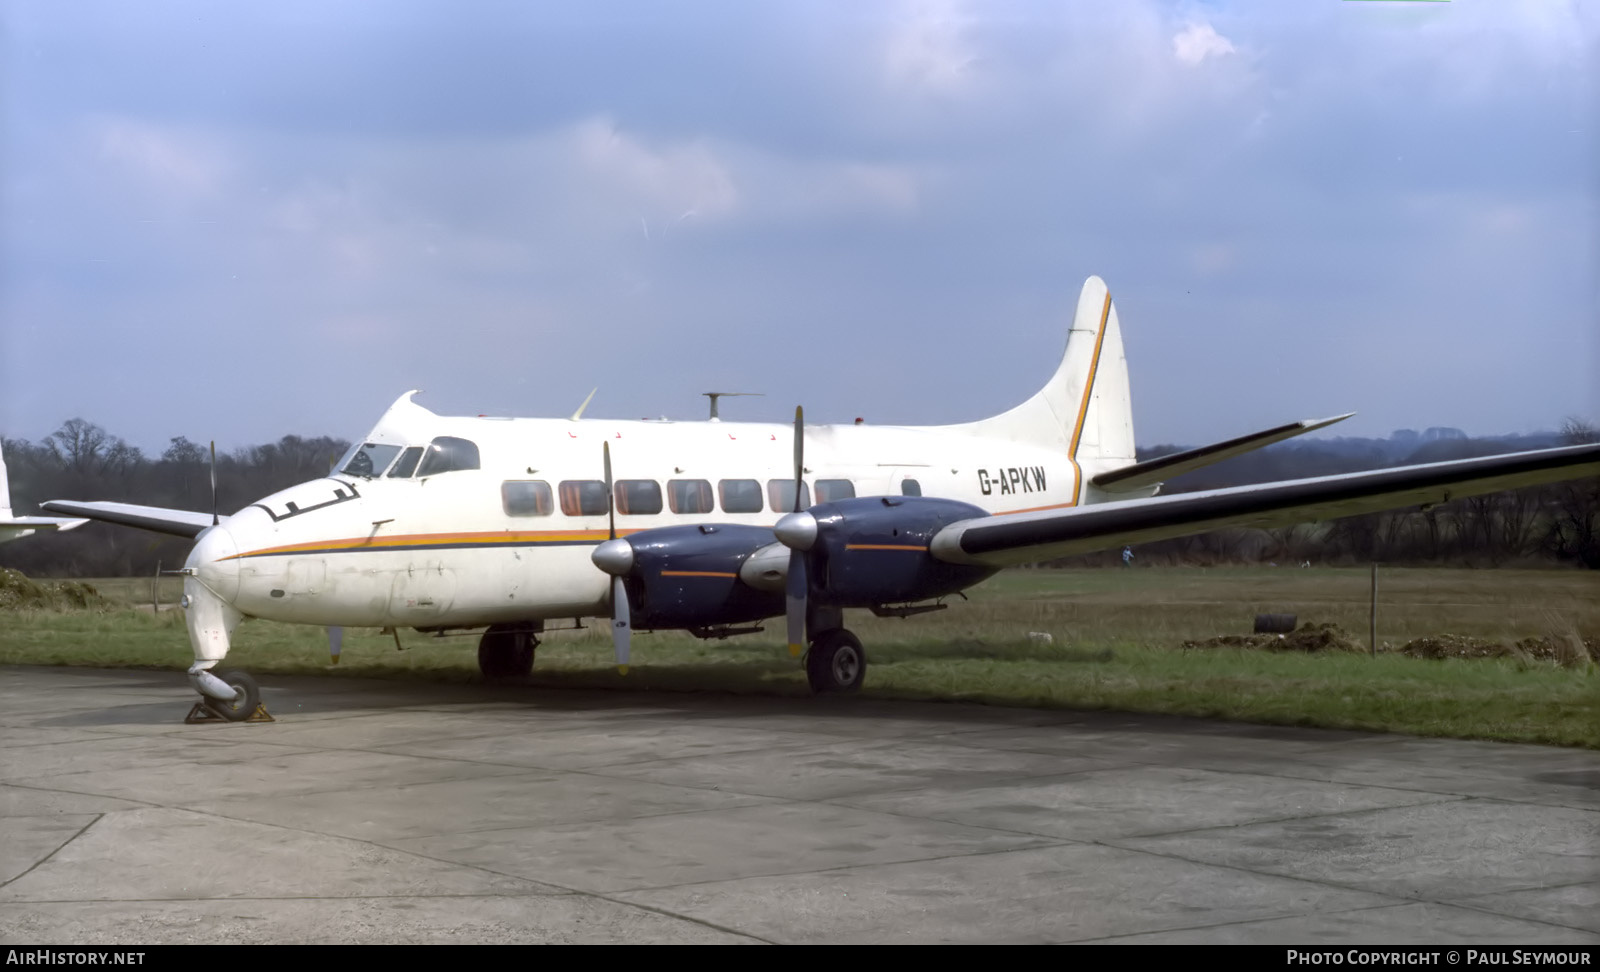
244 705
836 662
506 651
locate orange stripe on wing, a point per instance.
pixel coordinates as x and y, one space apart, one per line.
1036 509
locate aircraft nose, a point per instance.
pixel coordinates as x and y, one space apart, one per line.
214 562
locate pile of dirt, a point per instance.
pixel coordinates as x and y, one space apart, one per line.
1545 648
18 593
1308 637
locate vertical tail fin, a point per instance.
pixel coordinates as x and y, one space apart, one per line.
5 487
1085 409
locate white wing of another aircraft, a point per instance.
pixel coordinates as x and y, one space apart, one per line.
157 519
17 527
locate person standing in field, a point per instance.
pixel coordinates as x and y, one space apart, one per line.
1127 556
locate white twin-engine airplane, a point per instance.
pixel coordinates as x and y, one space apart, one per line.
437 522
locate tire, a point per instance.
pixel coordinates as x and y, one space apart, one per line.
1274 623
506 651
242 707
836 662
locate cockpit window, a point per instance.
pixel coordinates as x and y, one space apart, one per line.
369 460
448 454
407 464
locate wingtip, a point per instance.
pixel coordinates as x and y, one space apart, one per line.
1309 424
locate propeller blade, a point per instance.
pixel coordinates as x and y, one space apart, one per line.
621 625
335 643
795 602
611 499
214 519
796 589
799 452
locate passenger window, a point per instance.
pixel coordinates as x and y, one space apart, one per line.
407 464
638 497
829 490
370 460
740 495
448 454
526 498
584 497
780 493
910 487
691 495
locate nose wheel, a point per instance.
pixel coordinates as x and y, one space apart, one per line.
836 662
245 706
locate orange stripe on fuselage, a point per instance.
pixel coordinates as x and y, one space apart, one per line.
496 537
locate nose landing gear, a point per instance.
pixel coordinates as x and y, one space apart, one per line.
243 703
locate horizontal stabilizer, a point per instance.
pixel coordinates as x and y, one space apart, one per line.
178 523
1153 472
41 523
1000 541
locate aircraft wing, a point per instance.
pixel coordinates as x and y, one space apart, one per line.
178 523
999 541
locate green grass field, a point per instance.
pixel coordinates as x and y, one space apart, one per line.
1116 637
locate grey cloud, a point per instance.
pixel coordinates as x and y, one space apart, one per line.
295 212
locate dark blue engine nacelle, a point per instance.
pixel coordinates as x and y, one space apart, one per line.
872 551
688 577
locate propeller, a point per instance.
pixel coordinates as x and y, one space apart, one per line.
621 620
795 590
214 520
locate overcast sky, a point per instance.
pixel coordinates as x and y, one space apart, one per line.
237 221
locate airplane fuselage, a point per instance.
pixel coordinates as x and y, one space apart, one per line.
511 540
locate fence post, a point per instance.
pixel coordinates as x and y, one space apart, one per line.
1373 633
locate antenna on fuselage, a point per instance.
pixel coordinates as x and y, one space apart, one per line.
716 395
579 413
214 519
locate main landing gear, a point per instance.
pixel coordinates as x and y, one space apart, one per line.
836 662
506 650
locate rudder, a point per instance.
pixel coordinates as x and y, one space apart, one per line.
1085 410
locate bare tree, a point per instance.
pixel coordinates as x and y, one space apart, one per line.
1575 528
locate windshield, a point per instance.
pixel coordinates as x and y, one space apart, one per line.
369 460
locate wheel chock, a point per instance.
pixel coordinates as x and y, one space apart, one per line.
202 713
